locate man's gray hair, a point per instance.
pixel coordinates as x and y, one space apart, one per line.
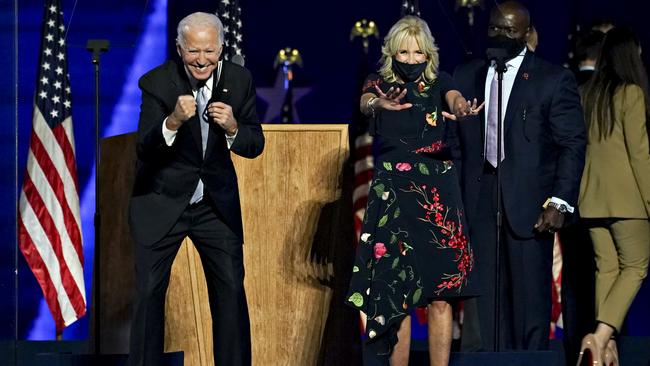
198 20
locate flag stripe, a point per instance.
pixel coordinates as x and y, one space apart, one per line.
68 287
363 173
36 249
41 272
54 208
63 136
362 179
53 163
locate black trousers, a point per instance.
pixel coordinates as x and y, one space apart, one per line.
221 254
525 282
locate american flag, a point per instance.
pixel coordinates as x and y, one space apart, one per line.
364 163
49 226
229 12
362 153
557 325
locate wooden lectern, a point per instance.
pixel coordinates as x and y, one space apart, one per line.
283 193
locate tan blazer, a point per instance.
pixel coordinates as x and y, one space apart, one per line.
616 179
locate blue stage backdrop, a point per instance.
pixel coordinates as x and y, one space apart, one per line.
8 134
141 38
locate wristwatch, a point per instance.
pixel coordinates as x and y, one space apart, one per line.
559 206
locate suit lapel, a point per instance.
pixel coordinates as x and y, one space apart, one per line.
519 89
479 89
216 132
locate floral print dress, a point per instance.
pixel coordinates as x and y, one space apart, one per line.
414 245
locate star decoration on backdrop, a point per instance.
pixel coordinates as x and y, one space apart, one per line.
274 98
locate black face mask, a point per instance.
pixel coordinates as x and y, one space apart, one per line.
408 72
512 46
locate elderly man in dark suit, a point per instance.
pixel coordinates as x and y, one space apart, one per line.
542 158
193 115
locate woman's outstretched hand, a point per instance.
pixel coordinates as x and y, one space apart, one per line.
390 100
463 109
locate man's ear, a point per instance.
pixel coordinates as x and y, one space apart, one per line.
178 49
531 38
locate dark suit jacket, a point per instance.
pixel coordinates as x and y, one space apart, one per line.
544 138
166 176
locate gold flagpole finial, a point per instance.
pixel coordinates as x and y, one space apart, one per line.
288 56
364 28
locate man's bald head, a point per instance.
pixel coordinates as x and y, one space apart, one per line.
511 19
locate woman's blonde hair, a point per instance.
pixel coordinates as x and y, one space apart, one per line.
409 26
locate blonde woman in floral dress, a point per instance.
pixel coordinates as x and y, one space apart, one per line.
414 249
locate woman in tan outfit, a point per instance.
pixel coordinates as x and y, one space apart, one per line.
615 189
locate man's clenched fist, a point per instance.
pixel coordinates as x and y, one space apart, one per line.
184 110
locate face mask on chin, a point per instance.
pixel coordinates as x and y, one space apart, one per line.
408 72
512 46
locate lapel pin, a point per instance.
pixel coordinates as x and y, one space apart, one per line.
225 90
525 76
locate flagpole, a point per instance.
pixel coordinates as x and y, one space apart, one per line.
97 47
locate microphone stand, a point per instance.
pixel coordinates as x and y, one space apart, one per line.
97 47
500 69
499 56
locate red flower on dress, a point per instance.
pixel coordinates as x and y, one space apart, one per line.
380 250
403 167
433 148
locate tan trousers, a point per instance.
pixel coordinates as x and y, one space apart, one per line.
622 249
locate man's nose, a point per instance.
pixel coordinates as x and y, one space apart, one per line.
202 58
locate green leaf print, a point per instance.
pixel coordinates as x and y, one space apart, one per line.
423 169
396 214
379 189
388 166
416 295
402 275
383 221
356 299
355 269
393 238
395 263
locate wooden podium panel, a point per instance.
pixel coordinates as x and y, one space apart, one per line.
283 193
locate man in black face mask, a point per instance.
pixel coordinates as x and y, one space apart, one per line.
543 147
